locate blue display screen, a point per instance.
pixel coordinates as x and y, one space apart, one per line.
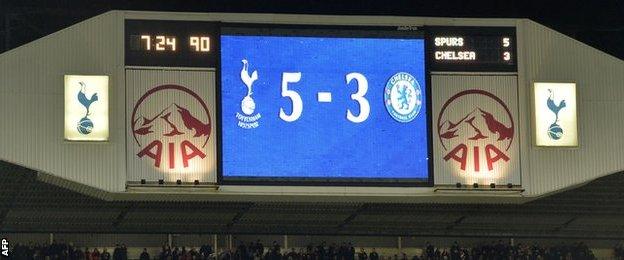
295 107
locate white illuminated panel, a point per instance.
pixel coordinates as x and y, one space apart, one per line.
86 108
475 129
555 114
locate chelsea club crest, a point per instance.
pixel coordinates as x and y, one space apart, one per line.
403 97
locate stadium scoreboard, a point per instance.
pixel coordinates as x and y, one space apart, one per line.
472 48
321 105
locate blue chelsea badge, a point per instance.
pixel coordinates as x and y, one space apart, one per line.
403 97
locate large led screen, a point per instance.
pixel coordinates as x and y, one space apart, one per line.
330 109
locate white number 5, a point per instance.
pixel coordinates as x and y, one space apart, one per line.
359 97
297 104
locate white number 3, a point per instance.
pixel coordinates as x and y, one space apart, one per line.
359 97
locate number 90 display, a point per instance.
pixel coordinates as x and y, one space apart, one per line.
326 109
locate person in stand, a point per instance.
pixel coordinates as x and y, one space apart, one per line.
241 251
63 250
165 253
175 254
429 250
188 255
105 255
309 248
455 250
292 255
225 255
79 255
183 253
96 254
71 250
251 249
194 253
341 251
87 254
205 251
276 247
351 251
144 255
332 251
259 247
117 252
124 252
320 250
374 255
362 254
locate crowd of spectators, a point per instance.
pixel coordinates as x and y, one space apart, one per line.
323 251
181 253
346 251
501 250
256 251
618 251
66 251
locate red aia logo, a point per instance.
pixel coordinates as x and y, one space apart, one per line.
473 124
175 116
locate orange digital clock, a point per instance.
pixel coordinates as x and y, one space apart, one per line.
171 43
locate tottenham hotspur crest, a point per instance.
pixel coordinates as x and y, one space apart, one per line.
403 97
247 119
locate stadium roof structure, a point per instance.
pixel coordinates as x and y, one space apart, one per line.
50 184
30 203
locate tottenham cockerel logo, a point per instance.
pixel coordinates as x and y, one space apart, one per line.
477 136
171 125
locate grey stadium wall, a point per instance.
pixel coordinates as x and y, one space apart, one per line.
31 106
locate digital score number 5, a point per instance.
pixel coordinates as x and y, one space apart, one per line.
297 103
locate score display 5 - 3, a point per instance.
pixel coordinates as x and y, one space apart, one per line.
327 107
297 103
472 48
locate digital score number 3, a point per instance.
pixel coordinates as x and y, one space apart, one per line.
297 103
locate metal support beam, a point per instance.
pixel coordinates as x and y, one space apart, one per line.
565 224
455 223
239 215
215 240
351 217
285 243
123 213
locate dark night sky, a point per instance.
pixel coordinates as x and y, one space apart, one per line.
599 23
